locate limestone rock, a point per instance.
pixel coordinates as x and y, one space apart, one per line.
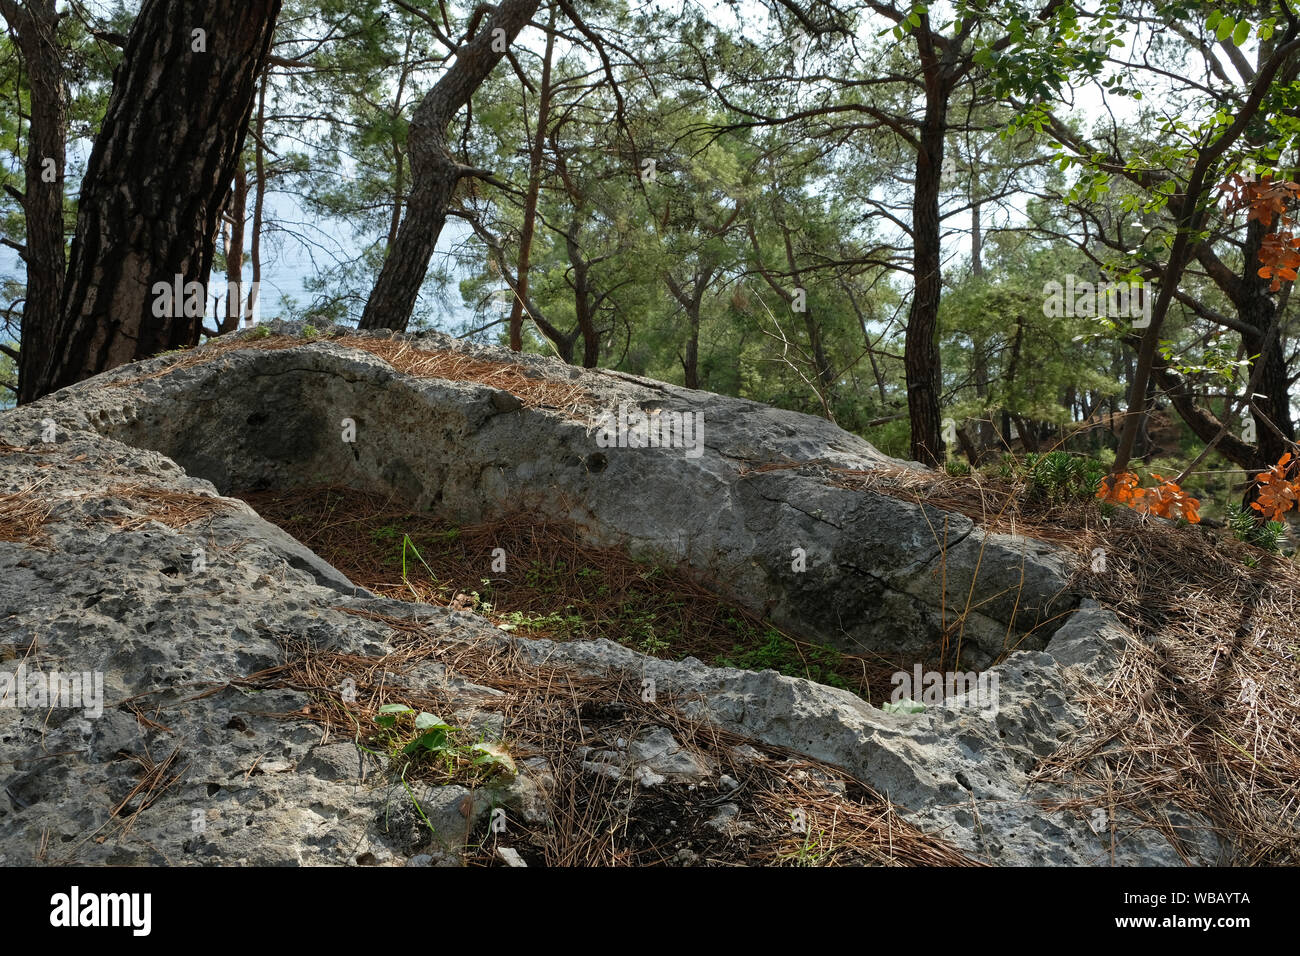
109 586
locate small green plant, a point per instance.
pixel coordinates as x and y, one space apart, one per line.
1246 526
418 734
260 332
1059 476
432 732
310 331
812 852
653 644
409 545
554 621
543 578
772 650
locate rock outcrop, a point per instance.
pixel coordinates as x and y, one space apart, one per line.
98 577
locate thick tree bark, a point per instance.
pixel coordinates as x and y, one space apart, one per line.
35 24
921 343
157 180
434 172
1205 425
1257 311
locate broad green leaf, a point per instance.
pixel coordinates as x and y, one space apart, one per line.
426 720
432 741
1226 26
1242 33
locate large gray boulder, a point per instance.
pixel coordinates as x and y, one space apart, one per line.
105 587
859 570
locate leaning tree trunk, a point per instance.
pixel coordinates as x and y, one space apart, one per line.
157 180
35 24
434 172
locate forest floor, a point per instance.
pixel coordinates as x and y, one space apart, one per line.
1204 709
1203 712
555 586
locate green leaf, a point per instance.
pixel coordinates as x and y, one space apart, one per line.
387 716
432 741
1242 33
1265 31
426 720
1226 26
914 19
1213 19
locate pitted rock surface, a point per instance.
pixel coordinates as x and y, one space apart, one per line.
104 589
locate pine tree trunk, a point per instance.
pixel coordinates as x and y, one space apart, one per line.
921 343
35 24
534 189
157 179
259 203
434 172
1256 310
236 212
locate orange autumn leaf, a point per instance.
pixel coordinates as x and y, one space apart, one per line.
1265 200
1268 199
1168 500
1125 490
1277 495
1165 500
1280 254
1158 499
